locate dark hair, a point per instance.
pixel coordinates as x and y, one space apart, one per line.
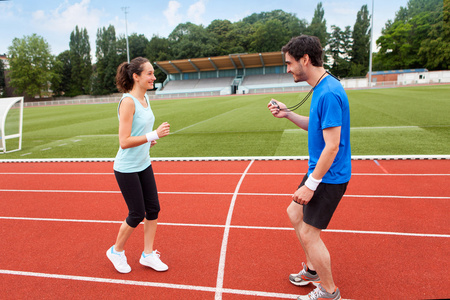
124 76
305 44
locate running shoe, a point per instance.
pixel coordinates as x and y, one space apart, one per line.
320 293
152 260
119 260
304 277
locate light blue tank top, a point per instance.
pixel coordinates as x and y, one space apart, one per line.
136 159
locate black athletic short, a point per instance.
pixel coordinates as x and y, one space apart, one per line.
321 207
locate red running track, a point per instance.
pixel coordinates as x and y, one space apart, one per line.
223 231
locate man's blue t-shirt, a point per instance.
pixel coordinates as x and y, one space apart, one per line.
330 108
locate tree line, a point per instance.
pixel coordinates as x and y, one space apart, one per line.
418 37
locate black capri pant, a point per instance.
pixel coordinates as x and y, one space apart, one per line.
140 194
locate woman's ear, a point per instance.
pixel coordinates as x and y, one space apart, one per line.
135 77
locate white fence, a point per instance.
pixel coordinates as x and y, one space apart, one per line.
432 77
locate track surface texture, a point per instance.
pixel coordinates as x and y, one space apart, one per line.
223 231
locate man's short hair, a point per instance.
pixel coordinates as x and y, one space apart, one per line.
305 44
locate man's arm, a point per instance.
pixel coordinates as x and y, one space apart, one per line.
300 121
280 111
332 137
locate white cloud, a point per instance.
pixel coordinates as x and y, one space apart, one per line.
194 14
38 15
8 11
196 11
64 18
171 13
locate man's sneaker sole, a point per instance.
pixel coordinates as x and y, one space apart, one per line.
319 293
302 282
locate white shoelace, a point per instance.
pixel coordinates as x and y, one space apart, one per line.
123 258
156 255
316 294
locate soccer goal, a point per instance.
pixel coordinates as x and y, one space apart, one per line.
11 120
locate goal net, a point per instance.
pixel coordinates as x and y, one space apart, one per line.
11 120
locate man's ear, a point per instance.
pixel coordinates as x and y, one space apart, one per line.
306 59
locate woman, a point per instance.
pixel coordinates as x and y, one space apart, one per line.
132 166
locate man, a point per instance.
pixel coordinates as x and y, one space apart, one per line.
329 165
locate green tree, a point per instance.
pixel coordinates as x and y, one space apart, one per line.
137 44
158 49
272 30
340 48
2 78
30 65
318 26
269 37
361 43
63 68
240 37
220 30
406 41
190 41
435 50
80 61
107 62
395 48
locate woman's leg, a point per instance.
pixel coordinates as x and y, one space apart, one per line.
130 186
152 208
125 232
149 235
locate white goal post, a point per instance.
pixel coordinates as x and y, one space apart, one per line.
5 106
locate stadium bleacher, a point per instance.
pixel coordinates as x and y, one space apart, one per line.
268 80
224 75
261 73
208 86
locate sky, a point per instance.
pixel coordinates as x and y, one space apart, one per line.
54 20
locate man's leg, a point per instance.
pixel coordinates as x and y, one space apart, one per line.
317 253
295 214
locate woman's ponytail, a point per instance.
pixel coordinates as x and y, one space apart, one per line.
125 71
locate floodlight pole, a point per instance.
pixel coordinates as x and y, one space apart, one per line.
370 48
126 31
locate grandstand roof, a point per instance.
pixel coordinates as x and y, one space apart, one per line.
226 62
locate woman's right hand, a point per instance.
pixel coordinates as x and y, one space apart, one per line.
163 130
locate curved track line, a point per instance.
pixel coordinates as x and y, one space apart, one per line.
223 250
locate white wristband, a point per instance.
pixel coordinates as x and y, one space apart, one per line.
312 183
152 136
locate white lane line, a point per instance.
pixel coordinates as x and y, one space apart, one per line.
223 250
220 174
437 235
223 194
148 284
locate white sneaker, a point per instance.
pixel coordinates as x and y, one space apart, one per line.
152 260
119 260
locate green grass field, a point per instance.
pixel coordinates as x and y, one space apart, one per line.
391 121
